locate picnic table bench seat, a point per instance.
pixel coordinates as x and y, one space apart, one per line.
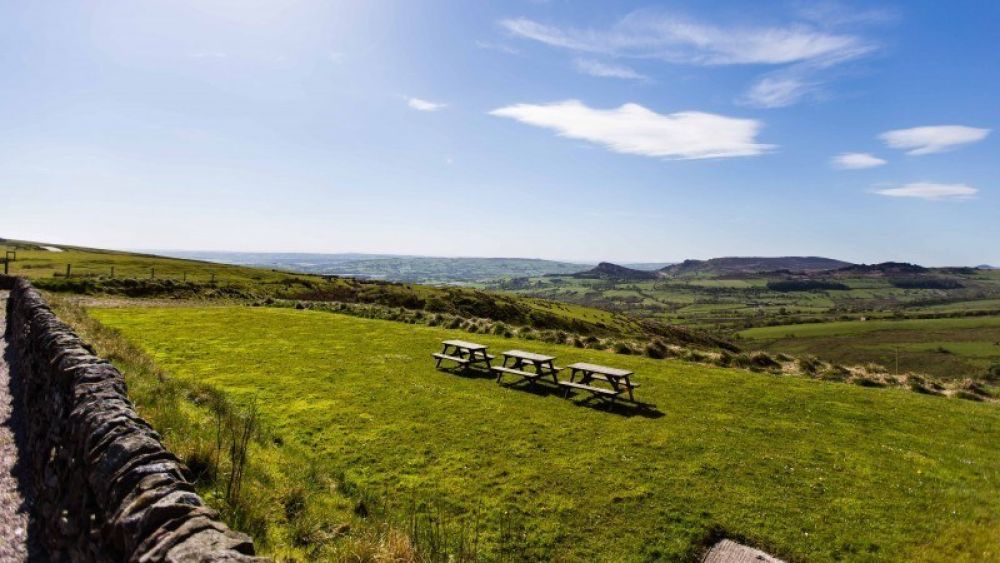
456 359
621 381
591 388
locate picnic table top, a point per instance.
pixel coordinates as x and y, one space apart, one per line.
530 356
464 344
603 370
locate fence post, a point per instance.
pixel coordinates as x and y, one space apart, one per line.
152 273
69 267
213 277
185 278
112 271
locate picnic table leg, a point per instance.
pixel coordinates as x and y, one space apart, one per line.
444 350
628 383
553 373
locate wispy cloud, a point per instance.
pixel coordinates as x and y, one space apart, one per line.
777 91
856 161
606 70
835 14
802 48
931 191
646 34
424 105
633 129
932 139
498 47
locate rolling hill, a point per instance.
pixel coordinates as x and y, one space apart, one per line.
751 265
607 270
391 267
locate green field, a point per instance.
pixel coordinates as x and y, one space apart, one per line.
950 348
811 471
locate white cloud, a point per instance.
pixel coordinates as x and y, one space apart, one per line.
646 34
856 160
633 129
776 91
932 139
424 105
801 48
606 70
931 191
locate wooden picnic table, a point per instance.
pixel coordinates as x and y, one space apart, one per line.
463 353
619 380
519 362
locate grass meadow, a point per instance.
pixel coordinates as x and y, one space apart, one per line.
949 348
358 425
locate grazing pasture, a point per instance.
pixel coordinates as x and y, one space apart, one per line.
949 348
805 469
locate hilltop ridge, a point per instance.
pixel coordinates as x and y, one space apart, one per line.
607 270
753 264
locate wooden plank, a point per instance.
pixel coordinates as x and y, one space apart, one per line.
618 380
452 358
591 388
531 356
594 368
465 345
728 551
513 371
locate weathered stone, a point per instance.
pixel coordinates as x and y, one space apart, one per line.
109 491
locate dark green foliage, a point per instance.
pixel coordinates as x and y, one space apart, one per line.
806 285
925 283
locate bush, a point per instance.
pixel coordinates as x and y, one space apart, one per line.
993 373
725 359
656 350
622 348
763 360
809 364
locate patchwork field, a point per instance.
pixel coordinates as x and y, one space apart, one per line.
806 469
950 348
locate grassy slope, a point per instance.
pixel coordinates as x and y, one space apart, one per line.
810 470
34 262
949 348
93 267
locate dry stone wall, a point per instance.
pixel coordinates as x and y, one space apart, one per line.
106 488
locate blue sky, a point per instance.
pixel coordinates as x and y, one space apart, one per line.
577 130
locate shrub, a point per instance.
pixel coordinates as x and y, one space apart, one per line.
763 360
622 348
724 359
656 350
993 373
809 364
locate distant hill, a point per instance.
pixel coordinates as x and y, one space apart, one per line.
752 265
987 267
884 269
648 266
607 270
399 268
